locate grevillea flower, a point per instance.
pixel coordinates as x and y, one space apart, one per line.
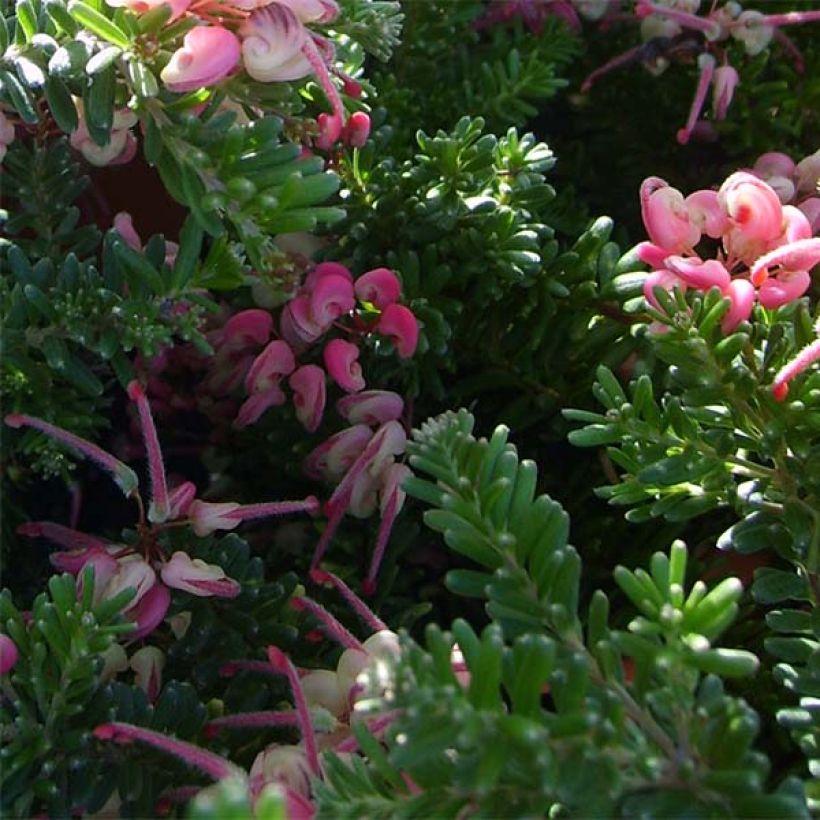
248 327
148 664
371 407
297 324
332 297
698 274
741 293
195 576
398 323
254 406
725 81
752 206
308 385
272 40
666 217
206 517
208 55
313 11
340 359
380 286
274 362
121 146
334 457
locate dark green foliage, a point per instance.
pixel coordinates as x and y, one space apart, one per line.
469 222
606 742
56 697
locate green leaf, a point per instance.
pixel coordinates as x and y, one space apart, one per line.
61 105
98 23
773 585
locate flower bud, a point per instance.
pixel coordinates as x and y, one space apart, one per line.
148 664
208 55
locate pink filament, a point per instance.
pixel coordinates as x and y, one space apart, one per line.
331 627
320 576
156 467
707 70
806 357
283 664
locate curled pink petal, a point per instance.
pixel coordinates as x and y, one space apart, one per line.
807 172
254 406
272 41
341 363
180 499
398 323
796 256
246 328
796 226
774 164
371 407
653 255
313 11
274 362
297 325
779 290
208 55
332 297
207 517
327 269
666 217
697 274
198 578
752 205
150 611
811 210
380 286
705 211
331 459
308 385
741 292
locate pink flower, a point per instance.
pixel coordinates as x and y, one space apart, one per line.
206 517
332 296
741 292
297 324
752 206
380 286
807 172
326 269
779 290
308 385
313 11
371 407
208 55
272 40
8 654
198 578
796 256
342 365
254 406
725 81
246 328
398 323
332 459
134 573
357 129
774 164
751 29
666 217
121 146
697 274
274 362
811 210
148 664
705 211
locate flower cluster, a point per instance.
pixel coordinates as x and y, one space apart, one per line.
535 12
146 568
766 248
328 296
674 29
794 183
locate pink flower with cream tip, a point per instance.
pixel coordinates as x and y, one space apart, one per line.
268 368
666 217
309 395
398 323
195 576
272 41
380 286
341 362
208 55
332 459
371 407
